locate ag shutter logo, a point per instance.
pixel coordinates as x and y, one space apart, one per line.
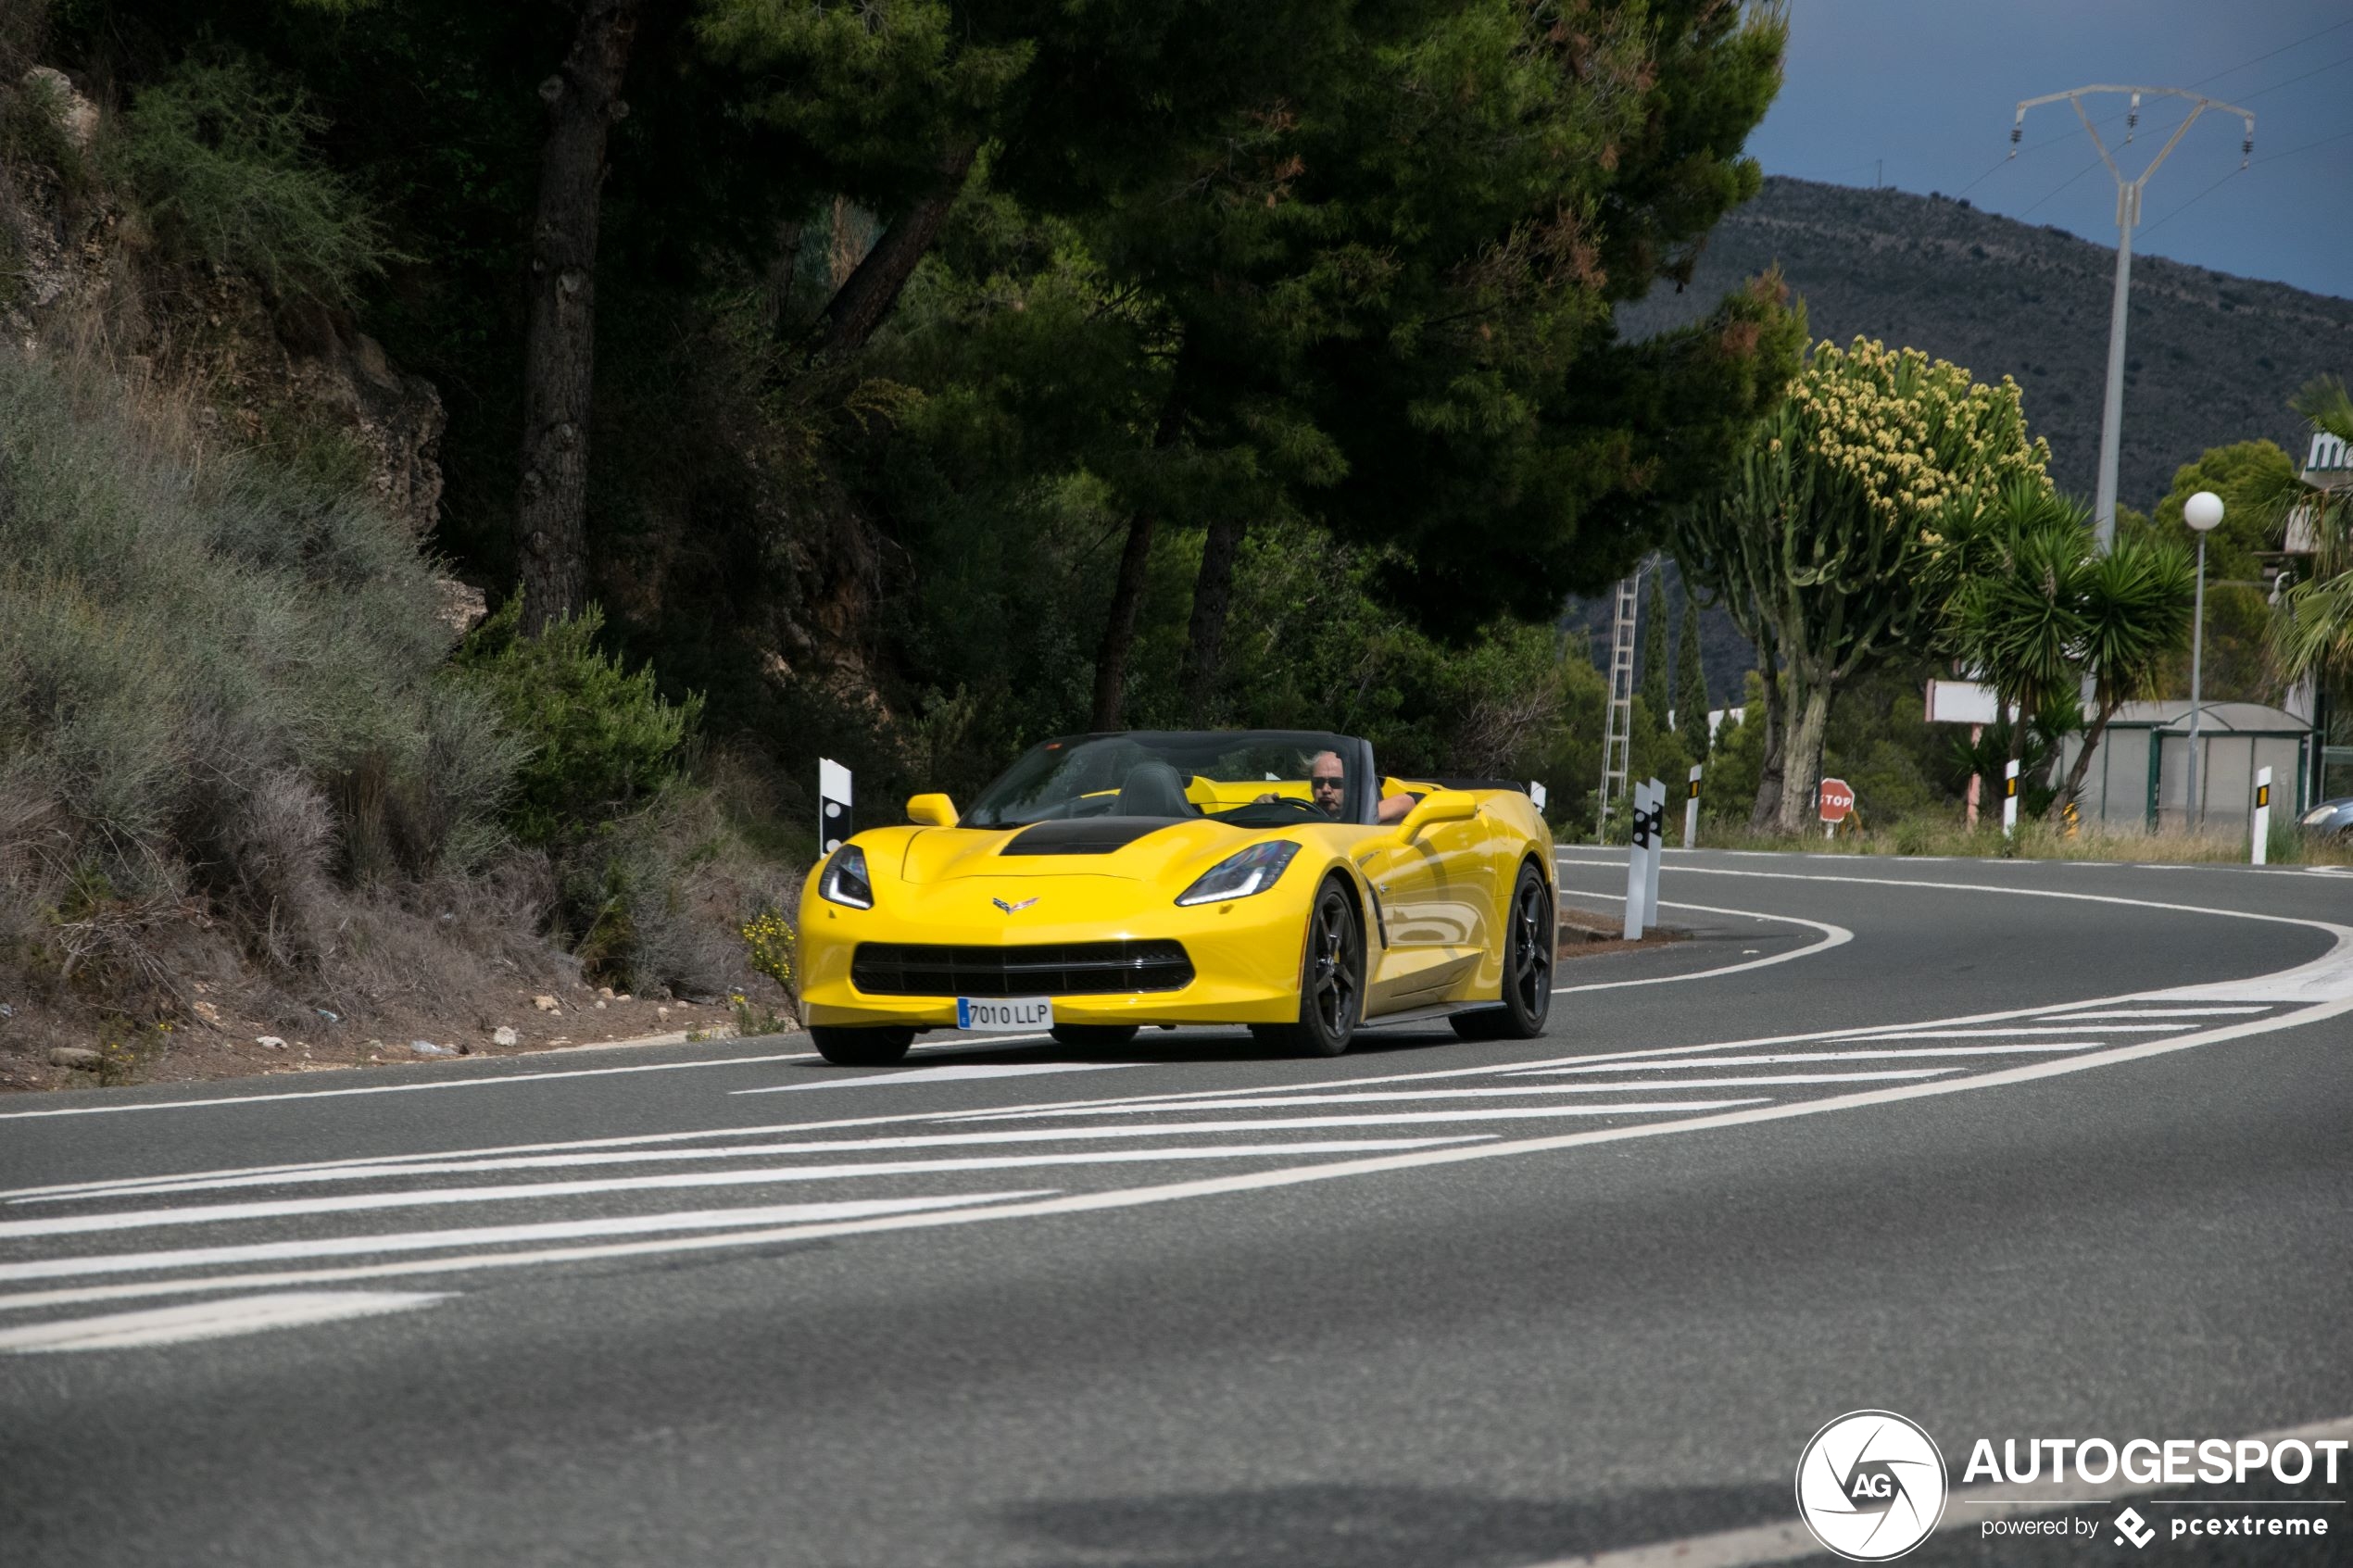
1870 1485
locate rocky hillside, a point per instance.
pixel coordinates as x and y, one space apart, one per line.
2212 358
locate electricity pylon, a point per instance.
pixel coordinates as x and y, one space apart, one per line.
2128 215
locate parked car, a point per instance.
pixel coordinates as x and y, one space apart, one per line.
2330 818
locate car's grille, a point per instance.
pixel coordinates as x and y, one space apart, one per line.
1037 969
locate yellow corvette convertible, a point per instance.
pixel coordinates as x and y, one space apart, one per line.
1106 882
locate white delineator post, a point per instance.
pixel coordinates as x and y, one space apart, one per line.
833 805
1690 811
1658 847
1637 876
2262 816
2009 801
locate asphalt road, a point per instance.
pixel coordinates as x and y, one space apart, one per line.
2015 1149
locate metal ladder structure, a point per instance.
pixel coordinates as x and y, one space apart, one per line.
1618 734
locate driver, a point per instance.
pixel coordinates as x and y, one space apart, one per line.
1328 785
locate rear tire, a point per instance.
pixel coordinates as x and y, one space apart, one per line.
862 1047
1527 997
1093 1037
1332 981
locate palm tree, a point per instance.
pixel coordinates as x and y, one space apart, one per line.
2042 609
2313 633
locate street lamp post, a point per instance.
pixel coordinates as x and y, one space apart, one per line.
2202 513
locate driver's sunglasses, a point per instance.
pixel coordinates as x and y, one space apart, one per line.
1327 784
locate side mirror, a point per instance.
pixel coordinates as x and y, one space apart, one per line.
1439 806
931 812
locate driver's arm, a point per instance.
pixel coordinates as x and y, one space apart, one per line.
1394 807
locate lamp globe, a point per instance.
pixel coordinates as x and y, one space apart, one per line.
2203 511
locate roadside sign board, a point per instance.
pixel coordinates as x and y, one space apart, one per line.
1837 799
1962 702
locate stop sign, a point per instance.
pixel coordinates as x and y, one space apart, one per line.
1837 800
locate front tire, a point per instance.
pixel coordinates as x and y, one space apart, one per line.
1093 1037
1527 997
1332 981
846 1046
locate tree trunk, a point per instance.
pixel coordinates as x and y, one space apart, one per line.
864 299
583 100
1802 759
1212 596
2075 775
1127 592
1767 807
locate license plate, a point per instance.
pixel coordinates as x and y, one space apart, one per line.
1009 1015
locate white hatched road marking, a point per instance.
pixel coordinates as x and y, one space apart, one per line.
2156 1012
216 1213
953 1073
211 1320
493 1236
1905 1054
391 1170
1507 1092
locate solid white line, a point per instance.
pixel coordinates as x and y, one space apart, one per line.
1172 1192
1791 1541
957 1072
498 1080
494 1235
392 1170
1904 1034
1907 1054
1832 936
1511 1092
210 1319
214 1213
2156 1013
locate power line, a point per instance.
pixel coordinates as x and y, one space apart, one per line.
2294 80
2232 71
2218 184
2065 183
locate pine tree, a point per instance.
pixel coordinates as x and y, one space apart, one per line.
1656 680
1691 682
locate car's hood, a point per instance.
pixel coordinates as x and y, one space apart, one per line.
1134 847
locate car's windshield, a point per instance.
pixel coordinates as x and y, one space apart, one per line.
1251 778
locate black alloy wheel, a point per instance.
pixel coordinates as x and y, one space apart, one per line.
1093 1037
848 1046
1331 982
1527 997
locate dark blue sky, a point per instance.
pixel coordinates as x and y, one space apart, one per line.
1931 86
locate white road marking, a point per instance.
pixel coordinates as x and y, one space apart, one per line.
1261 1181
214 1213
493 1236
2325 979
1907 1054
211 1320
955 1072
395 1171
1792 1542
1900 1034
497 1080
1510 1092
2155 1012
1832 936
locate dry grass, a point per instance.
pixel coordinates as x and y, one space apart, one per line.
2040 841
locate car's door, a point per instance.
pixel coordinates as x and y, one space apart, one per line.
1434 909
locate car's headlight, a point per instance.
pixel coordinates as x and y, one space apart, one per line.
2320 814
845 882
1241 873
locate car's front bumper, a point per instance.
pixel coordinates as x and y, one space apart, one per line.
1245 954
